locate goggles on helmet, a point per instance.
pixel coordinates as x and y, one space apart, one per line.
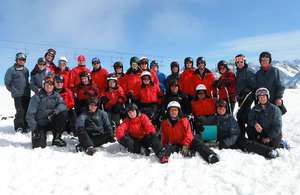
239 59
221 104
49 79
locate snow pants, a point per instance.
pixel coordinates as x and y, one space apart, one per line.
21 105
242 115
86 139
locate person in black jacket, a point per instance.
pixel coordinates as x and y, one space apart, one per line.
174 75
228 133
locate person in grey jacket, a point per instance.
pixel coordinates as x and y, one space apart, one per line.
47 111
93 127
174 74
271 78
228 133
245 85
37 75
264 120
16 81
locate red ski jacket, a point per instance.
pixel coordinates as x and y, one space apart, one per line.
203 107
99 76
207 80
227 77
114 96
68 97
148 94
65 73
138 127
180 133
184 78
74 78
80 89
131 80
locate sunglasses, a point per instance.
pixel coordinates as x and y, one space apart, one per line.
221 108
93 104
49 84
200 63
43 64
119 67
174 85
111 81
173 109
133 63
221 67
22 59
62 62
59 82
201 92
51 55
239 62
264 59
95 63
143 63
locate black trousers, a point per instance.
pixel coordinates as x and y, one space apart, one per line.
196 145
57 126
258 137
242 116
70 126
133 144
113 116
21 105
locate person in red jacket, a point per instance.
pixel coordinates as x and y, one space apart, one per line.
113 99
74 78
132 78
184 84
84 90
150 96
68 97
144 64
118 67
176 130
137 134
99 74
201 76
226 84
63 70
203 106
49 56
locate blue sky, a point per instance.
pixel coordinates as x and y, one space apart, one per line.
162 30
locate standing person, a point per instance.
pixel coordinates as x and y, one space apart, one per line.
271 78
74 78
201 76
63 70
264 120
118 67
245 83
113 99
49 56
161 76
176 130
99 74
184 78
47 111
228 133
226 84
174 74
137 134
132 78
16 81
144 64
93 128
68 97
37 76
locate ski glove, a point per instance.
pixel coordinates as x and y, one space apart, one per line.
131 95
86 92
226 84
105 99
184 150
216 84
118 107
51 115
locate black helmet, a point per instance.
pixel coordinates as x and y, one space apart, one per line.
221 103
96 60
266 55
118 64
188 59
20 56
59 77
201 59
85 74
41 60
174 64
174 82
154 63
134 60
222 64
131 106
52 51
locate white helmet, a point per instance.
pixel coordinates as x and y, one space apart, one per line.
262 91
201 87
146 73
63 59
112 77
173 104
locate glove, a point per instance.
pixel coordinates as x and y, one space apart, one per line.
226 84
184 150
111 139
105 99
51 115
216 84
86 92
131 95
118 107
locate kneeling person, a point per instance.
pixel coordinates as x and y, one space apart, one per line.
93 127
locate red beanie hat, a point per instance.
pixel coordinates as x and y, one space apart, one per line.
81 57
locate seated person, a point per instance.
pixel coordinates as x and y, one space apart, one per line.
93 127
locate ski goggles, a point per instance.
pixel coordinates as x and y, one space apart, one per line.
42 64
48 83
49 79
221 67
173 109
93 104
221 108
22 59
239 59
62 62
52 51
133 63
262 92
221 104
119 67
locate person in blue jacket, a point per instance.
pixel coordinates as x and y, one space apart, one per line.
16 81
161 76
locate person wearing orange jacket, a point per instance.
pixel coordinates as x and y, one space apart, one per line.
68 97
184 78
144 64
201 76
203 106
99 74
113 99
176 130
132 78
226 84
74 78
137 134
150 96
63 70
84 90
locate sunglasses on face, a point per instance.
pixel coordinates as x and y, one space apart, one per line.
49 84
93 104
119 67
22 59
221 108
239 62
62 62
221 67
94 63
264 59
133 63
200 63
42 64
51 55
174 85
59 82
143 63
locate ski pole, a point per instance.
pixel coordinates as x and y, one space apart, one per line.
244 101
228 99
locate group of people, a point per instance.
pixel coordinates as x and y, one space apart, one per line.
143 108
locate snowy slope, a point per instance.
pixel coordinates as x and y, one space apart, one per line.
113 171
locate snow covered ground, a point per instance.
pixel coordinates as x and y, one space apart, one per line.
113 171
